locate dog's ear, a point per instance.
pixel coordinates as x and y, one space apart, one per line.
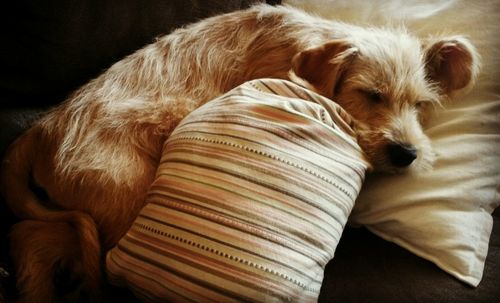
452 63
323 66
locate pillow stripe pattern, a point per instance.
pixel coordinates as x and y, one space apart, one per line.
251 197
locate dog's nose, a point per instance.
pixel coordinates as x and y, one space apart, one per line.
402 155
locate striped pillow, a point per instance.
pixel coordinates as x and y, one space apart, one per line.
250 199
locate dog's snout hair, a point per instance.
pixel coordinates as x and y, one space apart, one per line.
394 140
407 142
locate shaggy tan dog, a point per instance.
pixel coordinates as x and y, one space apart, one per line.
95 155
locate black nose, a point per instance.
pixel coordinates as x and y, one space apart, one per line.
401 155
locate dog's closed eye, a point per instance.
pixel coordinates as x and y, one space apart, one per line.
374 96
420 104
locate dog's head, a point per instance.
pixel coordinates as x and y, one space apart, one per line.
386 81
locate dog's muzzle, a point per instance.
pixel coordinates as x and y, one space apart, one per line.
401 155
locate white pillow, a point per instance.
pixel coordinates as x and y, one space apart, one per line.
443 215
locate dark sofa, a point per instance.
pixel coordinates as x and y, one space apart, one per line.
52 47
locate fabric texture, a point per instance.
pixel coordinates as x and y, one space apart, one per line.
443 215
251 197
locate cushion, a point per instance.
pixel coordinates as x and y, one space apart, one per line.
443 215
250 199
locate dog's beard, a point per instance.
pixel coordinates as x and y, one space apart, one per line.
374 144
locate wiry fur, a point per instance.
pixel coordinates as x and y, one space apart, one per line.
95 155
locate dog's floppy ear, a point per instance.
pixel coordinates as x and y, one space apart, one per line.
322 66
452 63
